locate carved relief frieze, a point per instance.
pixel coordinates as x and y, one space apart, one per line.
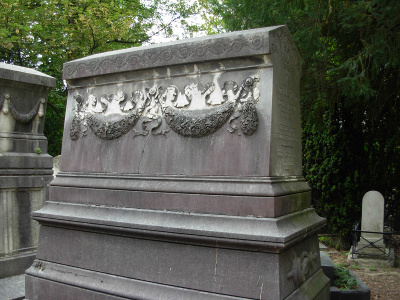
195 51
198 123
197 111
6 106
302 266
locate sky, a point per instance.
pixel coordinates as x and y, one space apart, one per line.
179 32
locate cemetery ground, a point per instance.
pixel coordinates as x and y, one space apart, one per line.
384 282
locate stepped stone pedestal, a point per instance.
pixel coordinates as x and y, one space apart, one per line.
180 177
25 166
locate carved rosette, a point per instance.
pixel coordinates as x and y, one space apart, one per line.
111 116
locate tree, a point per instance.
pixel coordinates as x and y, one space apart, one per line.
349 95
45 34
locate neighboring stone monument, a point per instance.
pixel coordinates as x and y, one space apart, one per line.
370 250
181 176
25 166
372 218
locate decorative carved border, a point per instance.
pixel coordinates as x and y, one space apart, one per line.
216 48
111 116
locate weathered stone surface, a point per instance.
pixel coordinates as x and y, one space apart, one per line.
180 176
275 92
366 260
25 167
12 288
106 112
370 251
373 214
327 266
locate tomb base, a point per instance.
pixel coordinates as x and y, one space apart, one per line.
119 253
16 264
181 176
371 249
113 287
367 260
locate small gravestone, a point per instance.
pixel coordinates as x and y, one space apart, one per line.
372 219
181 177
370 250
25 166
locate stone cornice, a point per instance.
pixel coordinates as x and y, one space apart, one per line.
222 46
26 75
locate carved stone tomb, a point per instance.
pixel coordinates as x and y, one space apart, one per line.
25 166
180 176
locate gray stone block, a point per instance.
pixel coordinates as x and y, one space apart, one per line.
25 167
16 264
368 261
180 176
12 288
327 266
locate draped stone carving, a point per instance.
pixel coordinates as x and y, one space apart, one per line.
110 116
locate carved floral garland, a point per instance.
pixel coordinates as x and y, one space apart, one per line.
112 116
112 130
6 106
198 123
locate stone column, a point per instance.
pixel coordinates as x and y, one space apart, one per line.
180 176
25 166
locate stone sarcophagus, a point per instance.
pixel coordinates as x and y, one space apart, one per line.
180 176
25 166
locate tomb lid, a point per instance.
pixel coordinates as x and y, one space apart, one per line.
27 75
222 46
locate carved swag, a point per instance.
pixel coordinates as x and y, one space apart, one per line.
158 110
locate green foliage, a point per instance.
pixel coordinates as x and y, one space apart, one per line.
354 267
45 34
343 280
38 150
331 242
349 96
